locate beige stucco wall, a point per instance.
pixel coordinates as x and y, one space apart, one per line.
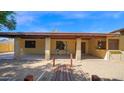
40 47
121 44
6 47
101 52
70 45
92 48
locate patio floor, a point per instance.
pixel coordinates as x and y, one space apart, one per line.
10 55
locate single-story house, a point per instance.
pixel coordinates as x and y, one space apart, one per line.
55 43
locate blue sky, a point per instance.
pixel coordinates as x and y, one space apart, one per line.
75 21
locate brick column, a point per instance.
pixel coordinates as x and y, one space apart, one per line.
47 48
16 48
78 49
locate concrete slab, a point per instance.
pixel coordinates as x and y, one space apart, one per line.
7 55
10 55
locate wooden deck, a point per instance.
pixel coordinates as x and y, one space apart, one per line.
64 73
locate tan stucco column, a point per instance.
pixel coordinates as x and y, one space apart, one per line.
16 48
47 48
107 51
106 43
78 49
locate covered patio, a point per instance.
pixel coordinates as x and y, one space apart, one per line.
61 45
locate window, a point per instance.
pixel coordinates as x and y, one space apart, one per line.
101 44
60 45
113 44
30 44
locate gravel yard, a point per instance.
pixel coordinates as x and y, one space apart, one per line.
19 69
109 70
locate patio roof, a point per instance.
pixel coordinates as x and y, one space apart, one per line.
52 34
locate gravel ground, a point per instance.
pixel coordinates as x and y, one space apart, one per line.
19 69
113 70
109 70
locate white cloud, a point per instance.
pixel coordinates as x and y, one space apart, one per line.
72 15
37 29
61 23
115 15
100 28
90 14
76 15
24 18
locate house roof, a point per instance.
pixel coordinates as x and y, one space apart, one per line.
119 30
52 34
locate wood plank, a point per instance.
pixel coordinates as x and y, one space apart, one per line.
64 73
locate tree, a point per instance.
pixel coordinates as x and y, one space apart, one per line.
7 20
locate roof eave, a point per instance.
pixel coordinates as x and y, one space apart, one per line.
42 35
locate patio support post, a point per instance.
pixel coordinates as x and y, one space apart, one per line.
106 43
78 49
107 55
47 48
16 48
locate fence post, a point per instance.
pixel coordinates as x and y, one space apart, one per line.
29 78
95 78
53 61
71 60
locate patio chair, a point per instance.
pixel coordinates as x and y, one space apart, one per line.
61 52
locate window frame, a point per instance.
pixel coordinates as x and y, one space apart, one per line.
28 45
64 47
103 46
115 44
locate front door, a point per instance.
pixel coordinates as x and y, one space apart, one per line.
83 48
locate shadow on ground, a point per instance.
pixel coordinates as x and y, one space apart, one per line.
18 70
